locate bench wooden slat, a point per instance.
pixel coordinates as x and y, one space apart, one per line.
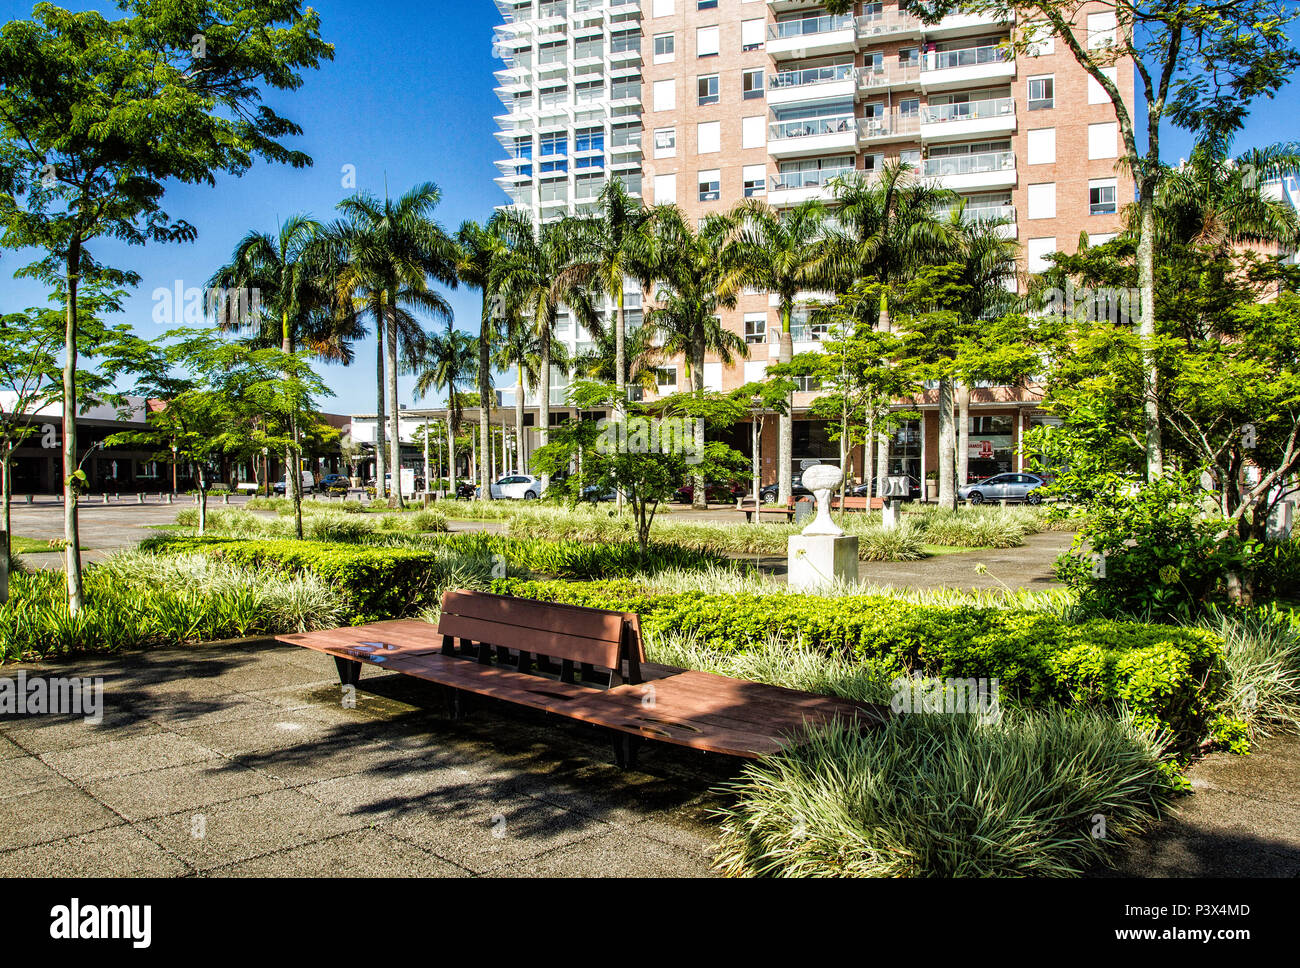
538 641
573 620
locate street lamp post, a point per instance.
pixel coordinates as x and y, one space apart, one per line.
173 468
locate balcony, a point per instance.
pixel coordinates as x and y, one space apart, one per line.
811 36
963 23
622 11
812 136
814 84
890 127
965 67
793 187
882 78
965 173
874 27
967 119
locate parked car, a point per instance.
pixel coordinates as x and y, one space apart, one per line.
1003 487
308 483
334 484
524 487
770 492
721 493
868 488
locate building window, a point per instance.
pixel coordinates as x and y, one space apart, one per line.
589 139
665 189
706 41
1101 30
752 84
710 185
708 137
591 161
665 142
751 34
1042 200
909 107
1042 146
554 144
664 94
1042 92
754 180
665 48
1103 140
909 56
666 377
1037 252
555 166
1041 40
624 41
705 4
1102 196
755 328
707 89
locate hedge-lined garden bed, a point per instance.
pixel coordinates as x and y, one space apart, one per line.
1171 677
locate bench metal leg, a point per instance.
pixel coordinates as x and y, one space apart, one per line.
454 703
349 671
626 747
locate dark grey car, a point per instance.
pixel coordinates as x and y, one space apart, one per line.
1003 487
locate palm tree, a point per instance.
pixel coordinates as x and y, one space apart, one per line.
685 317
538 276
481 248
614 245
640 356
521 351
294 272
887 225
988 259
448 363
779 252
396 249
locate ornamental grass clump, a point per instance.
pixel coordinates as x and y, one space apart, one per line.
1030 795
1261 653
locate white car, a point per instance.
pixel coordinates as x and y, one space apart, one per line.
517 487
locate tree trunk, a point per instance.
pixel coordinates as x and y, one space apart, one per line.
6 488
293 475
521 459
620 379
869 448
395 420
544 400
71 529
485 398
947 446
203 501
451 459
700 497
380 386
963 433
785 445
1147 326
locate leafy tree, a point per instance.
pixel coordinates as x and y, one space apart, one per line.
396 252
520 350
692 291
448 363
646 470
1199 64
481 248
97 114
780 252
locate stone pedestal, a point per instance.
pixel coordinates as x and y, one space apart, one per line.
817 560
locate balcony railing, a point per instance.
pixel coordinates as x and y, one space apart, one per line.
813 178
970 164
963 57
994 107
888 126
784 80
872 24
787 29
807 127
882 76
988 213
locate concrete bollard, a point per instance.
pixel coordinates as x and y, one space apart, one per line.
105 497
29 499
225 499
170 498
139 498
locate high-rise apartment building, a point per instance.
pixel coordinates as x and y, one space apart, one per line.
704 103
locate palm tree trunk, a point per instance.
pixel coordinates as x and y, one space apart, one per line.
1147 326
620 353
700 497
6 487
292 470
485 400
451 455
521 454
785 442
963 433
395 419
380 434
947 447
544 399
71 529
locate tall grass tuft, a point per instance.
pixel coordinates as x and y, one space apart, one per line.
944 796
1261 651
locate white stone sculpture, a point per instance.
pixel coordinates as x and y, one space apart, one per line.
822 479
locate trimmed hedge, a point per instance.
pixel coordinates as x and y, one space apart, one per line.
376 583
1169 676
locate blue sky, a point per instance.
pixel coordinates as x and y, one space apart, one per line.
407 98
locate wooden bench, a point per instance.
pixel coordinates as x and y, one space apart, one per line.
585 664
785 510
852 503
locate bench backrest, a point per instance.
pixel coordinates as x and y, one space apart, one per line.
567 633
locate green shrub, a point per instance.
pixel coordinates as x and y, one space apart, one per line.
137 599
1261 653
944 796
1170 677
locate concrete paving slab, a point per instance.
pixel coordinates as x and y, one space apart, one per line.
126 757
192 787
613 853
22 775
113 852
51 815
362 853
